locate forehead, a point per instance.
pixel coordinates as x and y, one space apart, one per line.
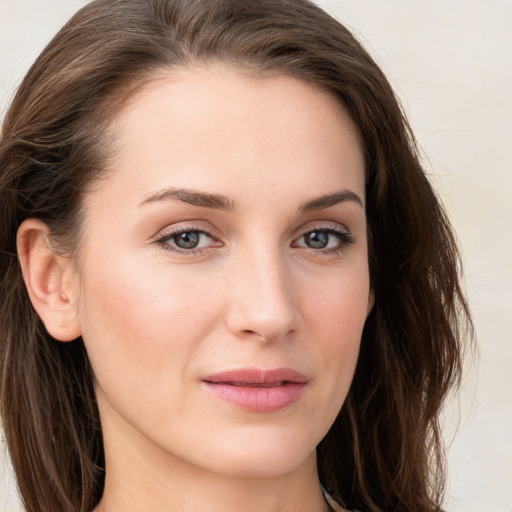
215 128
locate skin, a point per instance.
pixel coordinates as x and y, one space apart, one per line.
157 319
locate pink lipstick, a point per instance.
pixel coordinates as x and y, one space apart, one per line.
258 390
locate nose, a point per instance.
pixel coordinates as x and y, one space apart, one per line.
262 299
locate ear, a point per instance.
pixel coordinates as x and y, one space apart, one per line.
50 280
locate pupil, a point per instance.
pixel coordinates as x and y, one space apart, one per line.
188 240
317 239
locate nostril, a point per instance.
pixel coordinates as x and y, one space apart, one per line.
249 332
254 334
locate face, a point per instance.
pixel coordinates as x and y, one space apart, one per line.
224 272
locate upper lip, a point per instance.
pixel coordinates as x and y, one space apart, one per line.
255 376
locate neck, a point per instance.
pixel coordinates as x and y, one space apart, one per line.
140 477
191 491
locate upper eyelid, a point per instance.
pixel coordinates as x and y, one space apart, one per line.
185 229
321 226
186 226
342 232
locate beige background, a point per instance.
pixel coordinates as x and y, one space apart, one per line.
450 61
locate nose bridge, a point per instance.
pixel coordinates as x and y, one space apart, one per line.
262 301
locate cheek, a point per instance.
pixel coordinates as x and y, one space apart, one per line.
338 304
335 314
141 316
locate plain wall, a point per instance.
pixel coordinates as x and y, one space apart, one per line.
451 64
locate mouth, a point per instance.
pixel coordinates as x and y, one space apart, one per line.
258 390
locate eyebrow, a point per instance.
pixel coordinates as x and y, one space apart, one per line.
328 200
220 202
193 197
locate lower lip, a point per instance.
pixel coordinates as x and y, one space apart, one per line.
258 399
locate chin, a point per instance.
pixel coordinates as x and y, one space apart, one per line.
263 456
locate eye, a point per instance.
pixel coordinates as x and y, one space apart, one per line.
324 239
317 239
187 240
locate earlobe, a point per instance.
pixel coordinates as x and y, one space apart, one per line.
46 277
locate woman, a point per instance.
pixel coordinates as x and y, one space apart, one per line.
228 283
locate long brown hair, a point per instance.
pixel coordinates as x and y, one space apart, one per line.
384 451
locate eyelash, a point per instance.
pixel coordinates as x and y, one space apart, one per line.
345 239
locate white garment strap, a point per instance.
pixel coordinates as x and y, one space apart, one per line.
330 501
